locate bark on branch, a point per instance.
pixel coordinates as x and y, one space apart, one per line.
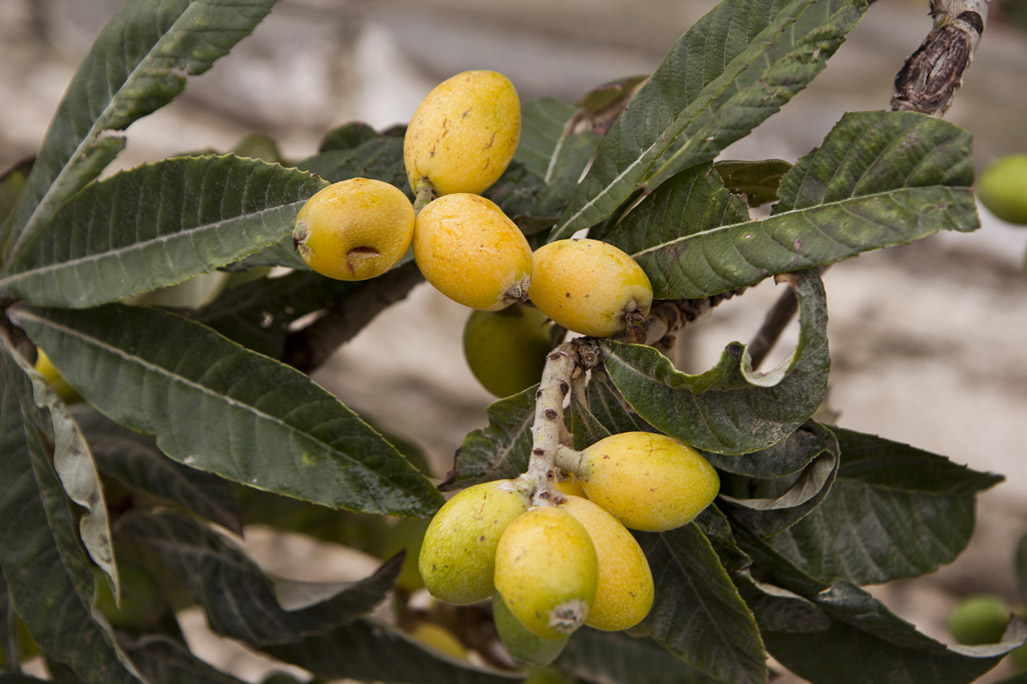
929 79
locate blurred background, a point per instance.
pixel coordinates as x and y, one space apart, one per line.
928 340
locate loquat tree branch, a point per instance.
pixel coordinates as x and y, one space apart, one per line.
926 83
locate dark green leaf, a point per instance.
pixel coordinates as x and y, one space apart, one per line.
757 180
717 528
693 203
525 198
10 640
135 460
866 644
697 613
12 185
779 610
368 651
616 657
380 158
788 457
258 314
137 64
770 506
165 661
238 599
862 630
731 409
500 450
218 407
599 413
159 224
894 512
879 179
347 136
543 124
47 572
734 68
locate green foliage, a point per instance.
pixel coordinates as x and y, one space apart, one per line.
181 403
731 409
158 224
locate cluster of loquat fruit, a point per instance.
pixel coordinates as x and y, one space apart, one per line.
554 564
460 141
550 563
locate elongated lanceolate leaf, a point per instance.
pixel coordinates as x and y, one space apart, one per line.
238 599
543 123
694 202
734 68
861 629
221 408
159 224
887 648
48 574
894 512
731 409
137 64
697 613
605 657
879 179
597 412
136 462
168 661
502 449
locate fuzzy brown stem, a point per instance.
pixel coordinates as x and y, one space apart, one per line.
668 316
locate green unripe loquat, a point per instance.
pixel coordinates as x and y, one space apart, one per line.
651 482
519 641
355 229
463 134
624 594
1002 188
980 619
589 286
470 251
506 350
458 553
547 571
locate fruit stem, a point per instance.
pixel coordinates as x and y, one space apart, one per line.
423 194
